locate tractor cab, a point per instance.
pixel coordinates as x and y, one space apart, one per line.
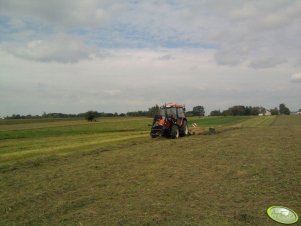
171 122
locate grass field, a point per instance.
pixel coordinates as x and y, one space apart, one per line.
70 172
44 137
57 136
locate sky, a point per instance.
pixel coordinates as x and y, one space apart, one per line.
128 55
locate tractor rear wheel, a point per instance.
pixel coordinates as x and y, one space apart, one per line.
174 133
184 129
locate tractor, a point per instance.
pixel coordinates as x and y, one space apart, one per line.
171 122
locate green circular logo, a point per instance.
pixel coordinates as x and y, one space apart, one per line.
282 214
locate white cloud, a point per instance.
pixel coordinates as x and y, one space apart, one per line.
62 14
112 92
59 48
296 77
135 79
241 31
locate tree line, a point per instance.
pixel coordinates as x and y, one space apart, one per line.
89 114
62 115
155 110
249 110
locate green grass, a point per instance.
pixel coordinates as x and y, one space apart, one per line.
31 138
44 137
218 121
70 127
230 178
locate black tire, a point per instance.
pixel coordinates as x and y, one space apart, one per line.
174 133
184 129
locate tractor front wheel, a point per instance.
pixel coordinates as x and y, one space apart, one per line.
174 133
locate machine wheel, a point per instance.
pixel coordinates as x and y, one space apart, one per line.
174 133
184 130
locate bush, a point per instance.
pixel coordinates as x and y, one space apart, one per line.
91 115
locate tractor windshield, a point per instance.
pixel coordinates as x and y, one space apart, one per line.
168 112
171 112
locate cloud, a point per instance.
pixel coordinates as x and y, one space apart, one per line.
166 57
296 77
252 32
128 55
135 79
255 32
59 48
62 14
112 92
271 61
230 56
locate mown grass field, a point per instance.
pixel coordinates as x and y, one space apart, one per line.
22 139
71 172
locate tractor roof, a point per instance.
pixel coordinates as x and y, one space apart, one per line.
173 104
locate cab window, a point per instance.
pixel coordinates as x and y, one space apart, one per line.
181 113
171 112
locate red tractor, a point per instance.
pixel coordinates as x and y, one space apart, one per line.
171 122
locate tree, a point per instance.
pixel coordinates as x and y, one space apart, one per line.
237 110
274 111
198 111
248 110
258 110
155 110
137 113
283 110
215 113
226 112
189 113
91 115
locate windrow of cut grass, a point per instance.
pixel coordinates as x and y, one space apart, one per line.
218 121
259 121
23 149
287 121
